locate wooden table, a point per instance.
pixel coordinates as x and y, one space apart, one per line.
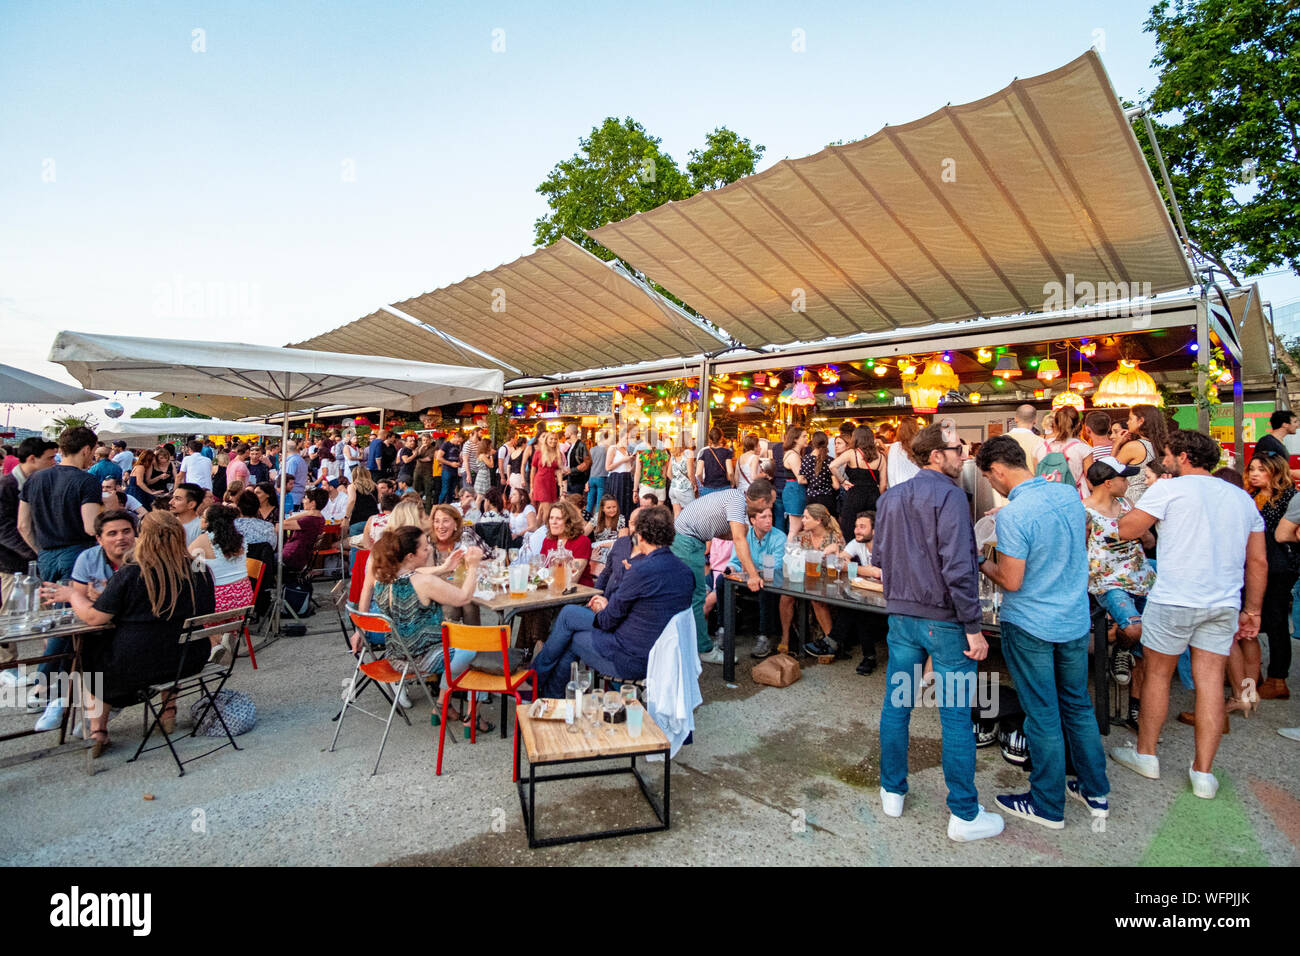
75 630
839 593
548 742
538 600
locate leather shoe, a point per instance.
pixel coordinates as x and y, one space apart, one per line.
1274 688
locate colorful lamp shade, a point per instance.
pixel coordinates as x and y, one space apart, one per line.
1081 382
481 409
1008 366
466 409
1127 386
1048 369
1067 397
937 380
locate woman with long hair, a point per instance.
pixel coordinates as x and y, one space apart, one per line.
606 524
1065 426
818 532
618 472
148 600
255 530
363 501
445 527
816 472
863 478
268 502
715 468
747 465
415 596
900 467
523 516
487 463
222 550
138 483
564 528
1269 482
791 487
682 489
162 476
548 468
1143 441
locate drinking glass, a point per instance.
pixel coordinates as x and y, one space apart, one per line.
612 704
585 678
769 567
634 718
590 708
812 563
832 567
518 581
571 715
629 694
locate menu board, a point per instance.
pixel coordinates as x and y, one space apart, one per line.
587 403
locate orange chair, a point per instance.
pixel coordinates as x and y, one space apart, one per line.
382 672
482 640
256 569
328 545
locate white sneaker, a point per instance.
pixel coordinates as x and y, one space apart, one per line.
403 700
52 717
14 677
984 825
714 656
1204 785
1290 733
1147 765
892 803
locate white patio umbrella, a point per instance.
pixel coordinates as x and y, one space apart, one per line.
158 427
264 379
20 387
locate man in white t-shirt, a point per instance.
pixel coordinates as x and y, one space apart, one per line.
1024 434
196 467
1210 540
123 458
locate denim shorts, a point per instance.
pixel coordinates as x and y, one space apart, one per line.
1122 606
1169 629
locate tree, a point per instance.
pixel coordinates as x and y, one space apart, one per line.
620 170
1229 99
725 158
167 411
61 423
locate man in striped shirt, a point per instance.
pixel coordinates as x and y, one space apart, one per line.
725 515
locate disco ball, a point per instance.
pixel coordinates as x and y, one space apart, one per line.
114 409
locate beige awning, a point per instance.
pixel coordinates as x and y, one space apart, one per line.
971 211
559 309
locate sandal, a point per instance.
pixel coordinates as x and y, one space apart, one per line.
167 719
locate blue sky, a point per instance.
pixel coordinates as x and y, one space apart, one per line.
316 160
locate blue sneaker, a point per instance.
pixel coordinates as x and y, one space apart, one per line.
1022 805
1099 806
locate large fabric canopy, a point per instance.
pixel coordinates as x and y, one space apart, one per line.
234 380
972 211
20 387
138 428
559 309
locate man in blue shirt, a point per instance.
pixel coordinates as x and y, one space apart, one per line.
763 539
296 469
656 586
104 466
1042 568
375 454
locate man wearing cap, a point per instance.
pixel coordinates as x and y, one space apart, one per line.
1042 567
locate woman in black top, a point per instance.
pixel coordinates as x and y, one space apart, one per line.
715 467
148 601
816 470
863 479
406 456
449 457
362 503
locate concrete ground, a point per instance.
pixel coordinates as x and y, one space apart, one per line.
776 776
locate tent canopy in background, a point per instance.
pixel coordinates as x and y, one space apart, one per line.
154 428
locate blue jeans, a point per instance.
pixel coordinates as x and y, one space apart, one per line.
595 491
1052 684
911 639
450 481
1122 606
55 564
573 637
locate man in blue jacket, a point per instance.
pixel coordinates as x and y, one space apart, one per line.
655 587
925 548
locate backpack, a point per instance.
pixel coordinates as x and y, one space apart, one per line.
1055 467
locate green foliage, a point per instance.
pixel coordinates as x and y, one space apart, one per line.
167 411
725 158
1229 94
620 170
61 423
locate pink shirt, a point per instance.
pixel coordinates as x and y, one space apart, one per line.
237 471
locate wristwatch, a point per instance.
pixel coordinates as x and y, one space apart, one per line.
980 562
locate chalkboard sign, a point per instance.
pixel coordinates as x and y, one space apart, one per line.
586 403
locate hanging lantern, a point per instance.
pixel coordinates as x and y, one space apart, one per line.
937 380
1087 349
975 398
1048 369
985 355
882 370
1008 366
1067 397
1081 381
1127 386
907 369
801 393
829 375
760 378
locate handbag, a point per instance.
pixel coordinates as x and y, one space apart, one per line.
236 708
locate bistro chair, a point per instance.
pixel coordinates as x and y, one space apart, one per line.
328 546
256 571
488 640
383 671
205 684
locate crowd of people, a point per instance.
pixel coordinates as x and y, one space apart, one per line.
1133 515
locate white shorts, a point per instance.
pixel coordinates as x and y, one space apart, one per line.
682 498
1169 629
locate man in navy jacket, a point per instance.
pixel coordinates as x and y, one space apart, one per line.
655 587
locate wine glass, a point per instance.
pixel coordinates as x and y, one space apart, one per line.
613 701
590 707
585 677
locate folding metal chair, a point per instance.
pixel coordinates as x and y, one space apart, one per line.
328 545
492 639
206 684
383 672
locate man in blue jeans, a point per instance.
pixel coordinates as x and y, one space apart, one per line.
1042 568
925 548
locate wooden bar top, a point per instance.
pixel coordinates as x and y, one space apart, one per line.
542 597
550 740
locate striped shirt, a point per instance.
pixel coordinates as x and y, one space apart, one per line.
710 516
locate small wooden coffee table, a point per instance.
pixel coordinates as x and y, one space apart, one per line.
548 742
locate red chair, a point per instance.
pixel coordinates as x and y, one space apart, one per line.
355 583
256 571
491 639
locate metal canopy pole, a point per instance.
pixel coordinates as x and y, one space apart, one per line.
702 414
1202 362
279 563
1238 414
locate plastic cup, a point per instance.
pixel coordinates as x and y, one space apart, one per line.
518 581
769 567
634 717
812 564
